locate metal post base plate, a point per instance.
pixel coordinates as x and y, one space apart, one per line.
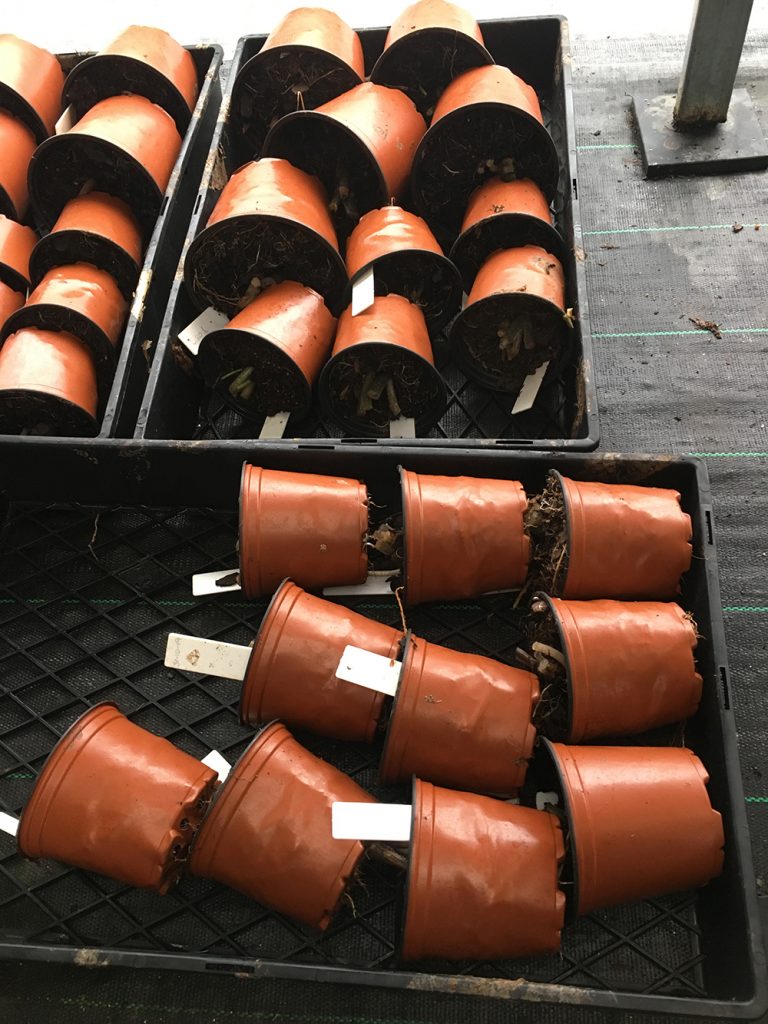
737 145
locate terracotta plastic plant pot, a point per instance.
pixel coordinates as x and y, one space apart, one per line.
482 878
429 44
268 833
272 221
292 671
504 215
514 319
115 799
267 359
463 536
460 720
388 344
10 301
124 146
619 540
144 62
80 300
406 260
17 144
309 527
16 245
629 666
94 228
360 145
639 819
48 385
311 57
31 80
488 122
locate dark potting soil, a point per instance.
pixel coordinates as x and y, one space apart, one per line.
64 247
472 145
425 279
221 269
41 415
274 383
506 337
548 662
378 385
277 82
385 545
504 231
545 521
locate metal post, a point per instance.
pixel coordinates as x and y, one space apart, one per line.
712 58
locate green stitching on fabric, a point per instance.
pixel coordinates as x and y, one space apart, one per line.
667 227
675 334
608 145
756 799
746 608
728 455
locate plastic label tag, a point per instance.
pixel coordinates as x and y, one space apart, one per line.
209 320
208 657
362 292
530 389
373 671
373 586
274 426
219 763
204 583
545 800
8 823
402 427
65 122
382 822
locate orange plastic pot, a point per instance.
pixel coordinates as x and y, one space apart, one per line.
16 245
406 260
309 527
271 353
504 215
94 228
124 146
115 799
482 879
463 536
629 666
17 144
268 833
640 822
428 45
623 541
460 720
47 385
10 301
272 221
31 80
80 300
141 61
523 289
292 672
487 122
310 57
360 145
390 339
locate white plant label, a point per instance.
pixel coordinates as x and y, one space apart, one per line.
209 320
208 657
403 426
219 763
530 389
8 823
373 587
373 822
373 671
545 800
363 292
204 583
65 122
274 426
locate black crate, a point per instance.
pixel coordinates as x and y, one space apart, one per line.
98 546
148 306
177 405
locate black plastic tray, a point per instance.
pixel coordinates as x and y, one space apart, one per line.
148 306
178 406
98 546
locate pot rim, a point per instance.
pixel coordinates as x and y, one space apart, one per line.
20 108
510 228
566 652
402 906
258 639
7 205
408 649
302 49
473 48
336 287
442 263
423 423
71 419
156 87
14 279
105 254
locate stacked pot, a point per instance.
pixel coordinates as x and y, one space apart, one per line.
96 188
